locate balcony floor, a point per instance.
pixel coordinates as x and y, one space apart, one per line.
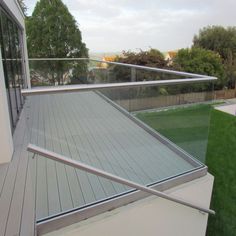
85 127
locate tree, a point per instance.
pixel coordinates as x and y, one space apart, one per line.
201 61
23 6
151 58
52 32
223 41
119 73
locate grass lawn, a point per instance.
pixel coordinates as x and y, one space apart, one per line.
188 127
221 161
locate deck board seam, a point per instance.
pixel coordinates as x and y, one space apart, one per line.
5 176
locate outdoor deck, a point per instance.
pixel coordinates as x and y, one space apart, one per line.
87 128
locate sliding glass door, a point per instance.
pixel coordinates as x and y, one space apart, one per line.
11 49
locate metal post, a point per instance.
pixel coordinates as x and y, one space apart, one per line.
133 74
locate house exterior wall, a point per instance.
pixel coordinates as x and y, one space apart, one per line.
6 143
13 8
152 216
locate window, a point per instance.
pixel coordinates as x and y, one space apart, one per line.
10 40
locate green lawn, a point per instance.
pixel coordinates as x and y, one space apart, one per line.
188 127
221 161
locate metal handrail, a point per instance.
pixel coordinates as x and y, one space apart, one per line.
148 68
89 87
79 165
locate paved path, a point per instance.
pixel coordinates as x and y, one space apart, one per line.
230 109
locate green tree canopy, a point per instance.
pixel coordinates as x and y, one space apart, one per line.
120 73
152 58
223 41
53 32
218 39
202 61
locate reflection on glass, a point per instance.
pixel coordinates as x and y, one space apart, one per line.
12 64
181 113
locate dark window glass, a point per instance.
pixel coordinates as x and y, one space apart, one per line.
11 49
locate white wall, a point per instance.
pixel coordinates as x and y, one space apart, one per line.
6 144
152 216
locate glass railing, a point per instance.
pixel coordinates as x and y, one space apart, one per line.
54 72
146 125
181 113
178 112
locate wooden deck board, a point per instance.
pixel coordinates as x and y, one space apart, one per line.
41 174
3 173
27 226
14 218
54 203
18 218
17 206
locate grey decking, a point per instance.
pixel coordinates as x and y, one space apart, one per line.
87 128
84 127
17 214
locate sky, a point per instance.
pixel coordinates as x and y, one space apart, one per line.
117 25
